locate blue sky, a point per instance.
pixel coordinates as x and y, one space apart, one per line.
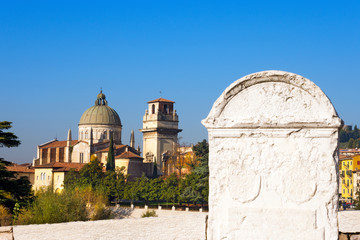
55 56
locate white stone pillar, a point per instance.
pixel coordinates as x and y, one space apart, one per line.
273 139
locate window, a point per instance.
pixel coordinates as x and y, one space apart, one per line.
343 190
48 177
166 109
86 135
350 163
105 135
343 181
153 109
343 163
81 157
37 177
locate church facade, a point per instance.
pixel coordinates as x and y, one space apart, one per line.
96 126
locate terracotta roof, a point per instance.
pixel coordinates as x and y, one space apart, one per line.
58 144
24 168
161 100
349 150
61 166
128 155
344 157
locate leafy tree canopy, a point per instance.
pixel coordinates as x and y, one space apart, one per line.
7 139
12 190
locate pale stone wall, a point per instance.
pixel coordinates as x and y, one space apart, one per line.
100 133
273 160
80 147
43 178
59 181
159 135
133 167
6 233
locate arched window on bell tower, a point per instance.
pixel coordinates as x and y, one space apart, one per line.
153 109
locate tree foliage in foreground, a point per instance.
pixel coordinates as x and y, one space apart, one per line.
12 190
191 188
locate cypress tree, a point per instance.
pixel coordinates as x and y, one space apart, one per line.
110 165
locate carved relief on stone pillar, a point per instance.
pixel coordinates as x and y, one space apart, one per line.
272 160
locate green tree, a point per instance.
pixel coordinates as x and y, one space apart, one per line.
351 143
131 191
143 185
170 189
200 183
114 184
110 164
12 190
92 173
72 179
155 191
50 207
7 139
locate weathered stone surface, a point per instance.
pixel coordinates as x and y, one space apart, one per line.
6 233
355 237
273 156
349 221
343 236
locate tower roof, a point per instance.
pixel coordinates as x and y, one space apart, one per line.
100 113
161 100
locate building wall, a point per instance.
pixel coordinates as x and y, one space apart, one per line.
133 167
100 133
160 131
43 178
81 147
29 175
346 178
59 181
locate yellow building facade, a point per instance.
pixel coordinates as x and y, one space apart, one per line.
346 178
349 167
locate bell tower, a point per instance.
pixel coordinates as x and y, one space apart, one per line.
160 134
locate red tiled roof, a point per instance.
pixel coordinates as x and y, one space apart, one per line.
61 166
24 168
128 155
161 100
344 157
58 144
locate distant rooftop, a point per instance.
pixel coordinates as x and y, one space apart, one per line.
161 100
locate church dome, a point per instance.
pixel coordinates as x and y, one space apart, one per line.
101 113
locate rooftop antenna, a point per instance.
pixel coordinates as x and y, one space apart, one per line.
160 93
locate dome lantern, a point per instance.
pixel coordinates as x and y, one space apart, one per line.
102 119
